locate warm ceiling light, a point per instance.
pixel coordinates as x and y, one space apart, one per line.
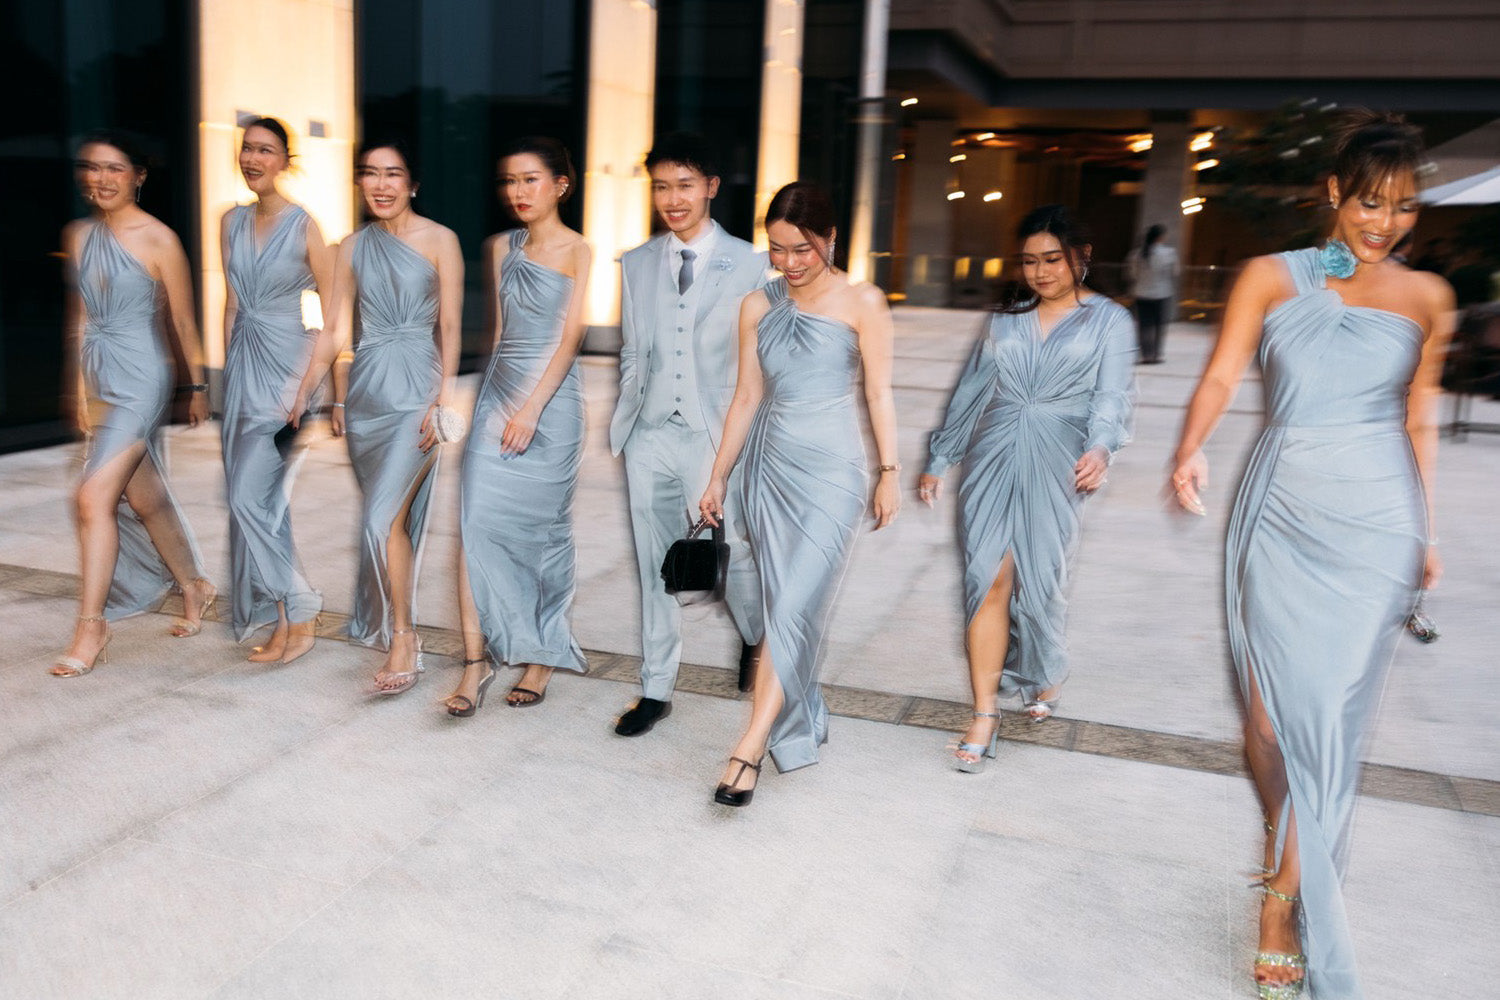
909 102
1192 209
1140 145
900 155
1191 202
1201 141
957 158
993 196
955 195
1205 164
983 136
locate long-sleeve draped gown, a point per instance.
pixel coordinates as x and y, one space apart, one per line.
1025 409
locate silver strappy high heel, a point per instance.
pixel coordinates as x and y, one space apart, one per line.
982 751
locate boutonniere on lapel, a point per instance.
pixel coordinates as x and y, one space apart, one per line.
722 264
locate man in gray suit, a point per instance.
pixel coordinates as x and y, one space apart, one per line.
679 317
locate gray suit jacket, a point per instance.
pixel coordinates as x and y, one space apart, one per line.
734 270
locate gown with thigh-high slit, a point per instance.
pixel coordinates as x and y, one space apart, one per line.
1326 545
804 487
1026 408
127 372
269 349
395 379
516 511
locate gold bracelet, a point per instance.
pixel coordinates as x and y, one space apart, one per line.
888 468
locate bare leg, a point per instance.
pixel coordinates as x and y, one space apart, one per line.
475 667
987 641
765 706
99 548
400 557
1278 918
147 494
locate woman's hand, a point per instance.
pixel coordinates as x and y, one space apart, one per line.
887 499
197 410
1091 471
1190 476
712 504
929 488
1432 568
336 420
429 429
299 407
519 431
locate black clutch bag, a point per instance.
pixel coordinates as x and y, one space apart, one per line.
696 568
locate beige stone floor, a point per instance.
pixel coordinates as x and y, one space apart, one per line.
184 824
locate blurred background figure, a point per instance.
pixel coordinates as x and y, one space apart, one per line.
405 272
1331 536
124 262
805 339
1153 270
1039 411
273 251
515 570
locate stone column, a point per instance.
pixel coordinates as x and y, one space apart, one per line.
616 187
780 106
1168 181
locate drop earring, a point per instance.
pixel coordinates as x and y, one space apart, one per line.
138 193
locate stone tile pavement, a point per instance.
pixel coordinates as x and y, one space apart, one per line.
184 824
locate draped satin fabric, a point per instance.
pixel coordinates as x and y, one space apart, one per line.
805 485
1324 559
269 349
127 373
516 511
395 379
1024 411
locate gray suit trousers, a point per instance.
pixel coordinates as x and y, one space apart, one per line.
666 472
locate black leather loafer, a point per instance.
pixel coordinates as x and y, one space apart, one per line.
646 713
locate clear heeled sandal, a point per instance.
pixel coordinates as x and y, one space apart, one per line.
404 680
72 666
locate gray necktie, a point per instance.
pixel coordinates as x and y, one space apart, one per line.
685 276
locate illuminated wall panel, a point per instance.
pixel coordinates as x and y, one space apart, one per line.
780 106
293 59
621 96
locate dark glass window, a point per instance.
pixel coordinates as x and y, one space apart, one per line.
73 66
458 80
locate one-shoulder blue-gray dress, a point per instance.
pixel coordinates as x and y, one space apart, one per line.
395 379
1326 544
269 349
1023 413
127 374
516 511
804 486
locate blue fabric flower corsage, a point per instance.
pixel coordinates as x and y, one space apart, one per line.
1338 260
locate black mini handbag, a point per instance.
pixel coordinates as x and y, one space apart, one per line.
695 569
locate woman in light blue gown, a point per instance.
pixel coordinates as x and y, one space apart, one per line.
124 264
522 457
406 274
793 426
1042 406
273 251
1330 537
